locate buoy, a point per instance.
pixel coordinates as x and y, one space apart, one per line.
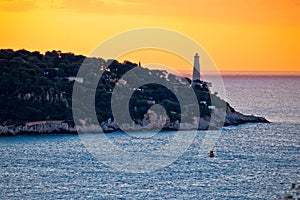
211 153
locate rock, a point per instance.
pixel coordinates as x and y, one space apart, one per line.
236 118
204 123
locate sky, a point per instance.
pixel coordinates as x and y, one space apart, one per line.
239 35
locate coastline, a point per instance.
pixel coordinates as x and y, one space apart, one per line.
233 118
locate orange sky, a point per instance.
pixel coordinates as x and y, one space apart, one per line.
239 35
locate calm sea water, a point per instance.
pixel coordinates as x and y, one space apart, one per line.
253 161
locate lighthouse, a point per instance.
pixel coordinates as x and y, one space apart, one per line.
196 71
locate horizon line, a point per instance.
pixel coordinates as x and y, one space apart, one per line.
247 72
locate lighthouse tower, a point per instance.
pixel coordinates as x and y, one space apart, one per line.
196 71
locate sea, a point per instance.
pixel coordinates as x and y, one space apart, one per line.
252 161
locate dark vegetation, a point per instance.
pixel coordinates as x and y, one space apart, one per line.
38 87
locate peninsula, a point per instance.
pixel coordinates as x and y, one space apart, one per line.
36 95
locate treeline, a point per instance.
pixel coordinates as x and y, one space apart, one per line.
34 86
38 87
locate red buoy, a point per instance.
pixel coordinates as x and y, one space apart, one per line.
211 153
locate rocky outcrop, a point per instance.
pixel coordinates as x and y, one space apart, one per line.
37 128
235 118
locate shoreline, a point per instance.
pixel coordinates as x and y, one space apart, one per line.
50 128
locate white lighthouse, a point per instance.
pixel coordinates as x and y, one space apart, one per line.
196 71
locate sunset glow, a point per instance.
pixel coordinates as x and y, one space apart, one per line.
239 35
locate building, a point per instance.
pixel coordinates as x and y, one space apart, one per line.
196 70
57 122
77 79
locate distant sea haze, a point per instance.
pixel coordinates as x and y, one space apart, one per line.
188 73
